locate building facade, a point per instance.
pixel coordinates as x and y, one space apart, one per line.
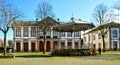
112 38
28 37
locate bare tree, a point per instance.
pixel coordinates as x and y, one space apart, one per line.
116 5
102 16
44 10
7 15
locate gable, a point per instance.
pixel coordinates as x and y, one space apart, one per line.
48 21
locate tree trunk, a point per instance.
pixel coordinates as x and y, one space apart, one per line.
44 41
5 43
103 38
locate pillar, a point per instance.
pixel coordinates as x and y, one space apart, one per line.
118 45
51 45
51 42
21 46
112 45
66 44
29 45
80 47
29 30
21 31
14 46
79 44
73 41
36 46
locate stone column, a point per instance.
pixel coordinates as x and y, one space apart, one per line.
59 40
21 46
51 45
36 46
73 41
29 46
118 45
14 46
79 44
21 32
66 44
29 30
112 44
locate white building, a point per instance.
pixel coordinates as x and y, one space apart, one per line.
112 38
28 37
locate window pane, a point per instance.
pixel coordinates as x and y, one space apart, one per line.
25 32
18 31
114 33
33 31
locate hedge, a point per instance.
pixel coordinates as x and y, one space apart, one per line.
72 52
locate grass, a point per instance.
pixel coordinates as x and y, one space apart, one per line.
107 58
111 52
7 56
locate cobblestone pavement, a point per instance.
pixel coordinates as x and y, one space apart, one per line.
60 61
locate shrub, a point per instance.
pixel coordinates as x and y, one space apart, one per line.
71 52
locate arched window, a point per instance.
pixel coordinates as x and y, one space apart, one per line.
114 33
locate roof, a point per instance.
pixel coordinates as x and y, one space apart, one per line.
108 25
68 26
73 20
35 23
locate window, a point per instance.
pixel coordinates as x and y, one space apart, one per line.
76 34
69 34
99 36
62 34
25 32
114 33
33 32
84 39
55 34
48 33
89 37
93 37
18 31
40 33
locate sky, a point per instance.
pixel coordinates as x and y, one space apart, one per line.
63 9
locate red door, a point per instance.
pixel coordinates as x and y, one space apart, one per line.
33 47
41 46
69 45
62 45
48 46
55 45
18 47
25 47
76 45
